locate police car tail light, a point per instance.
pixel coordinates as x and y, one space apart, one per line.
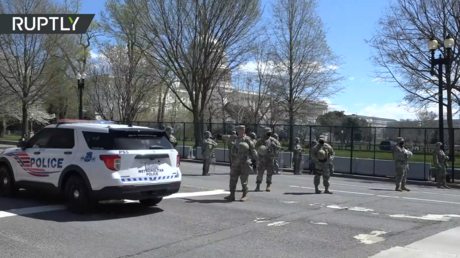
112 162
178 161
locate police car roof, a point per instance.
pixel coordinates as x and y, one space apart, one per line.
99 126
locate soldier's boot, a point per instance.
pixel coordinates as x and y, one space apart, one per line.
398 188
231 197
405 189
245 196
326 191
317 191
268 188
445 186
257 188
441 187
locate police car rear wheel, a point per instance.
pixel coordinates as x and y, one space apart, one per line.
77 195
7 185
150 202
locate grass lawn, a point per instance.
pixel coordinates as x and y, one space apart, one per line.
11 137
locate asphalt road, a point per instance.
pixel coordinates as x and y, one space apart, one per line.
360 219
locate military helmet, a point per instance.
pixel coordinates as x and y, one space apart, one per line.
297 139
169 128
262 150
243 147
399 139
322 155
233 132
253 135
207 133
267 129
275 135
438 144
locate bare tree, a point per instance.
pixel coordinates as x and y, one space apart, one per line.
26 57
401 52
101 92
427 118
199 41
307 67
131 73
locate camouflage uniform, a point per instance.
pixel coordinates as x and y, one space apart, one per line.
440 162
298 150
254 163
267 148
322 154
230 139
243 151
207 150
400 155
172 139
277 155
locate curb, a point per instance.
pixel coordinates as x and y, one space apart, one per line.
337 174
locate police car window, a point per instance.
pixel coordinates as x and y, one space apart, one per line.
62 138
138 142
41 139
98 141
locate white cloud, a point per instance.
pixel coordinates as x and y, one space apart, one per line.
351 78
334 107
394 111
378 80
94 55
266 67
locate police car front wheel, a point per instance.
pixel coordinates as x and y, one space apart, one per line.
7 185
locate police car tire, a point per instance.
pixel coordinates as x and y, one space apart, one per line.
76 193
7 184
150 202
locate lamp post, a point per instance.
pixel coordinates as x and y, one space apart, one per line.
433 45
81 86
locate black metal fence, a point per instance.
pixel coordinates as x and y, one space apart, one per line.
370 143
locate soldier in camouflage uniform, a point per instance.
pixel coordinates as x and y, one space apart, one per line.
243 151
322 154
267 148
207 150
172 139
400 155
440 162
298 150
277 155
254 163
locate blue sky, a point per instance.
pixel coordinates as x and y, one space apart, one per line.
349 23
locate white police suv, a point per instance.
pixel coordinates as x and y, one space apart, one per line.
91 161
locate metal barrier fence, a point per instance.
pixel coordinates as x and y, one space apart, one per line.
354 143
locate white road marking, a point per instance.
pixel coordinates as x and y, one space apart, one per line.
318 223
372 238
261 220
360 209
290 202
431 217
25 211
428 200
278 223
386 196
31 210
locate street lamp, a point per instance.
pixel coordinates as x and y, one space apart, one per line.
433 45
81 86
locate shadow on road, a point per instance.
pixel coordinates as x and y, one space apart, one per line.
213 174
206 201
377 189
99 213
299 193
29 198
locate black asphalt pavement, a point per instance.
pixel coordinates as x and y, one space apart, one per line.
361 218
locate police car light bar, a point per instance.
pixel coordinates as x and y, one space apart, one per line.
82 121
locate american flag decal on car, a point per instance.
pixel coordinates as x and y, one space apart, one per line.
23 159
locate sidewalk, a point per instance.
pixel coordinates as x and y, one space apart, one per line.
290 171
442 245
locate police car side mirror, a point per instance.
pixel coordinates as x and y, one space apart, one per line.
22 144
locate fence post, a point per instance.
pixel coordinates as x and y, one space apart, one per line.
375 139
452 144
183 140
351 152
399 132
424 153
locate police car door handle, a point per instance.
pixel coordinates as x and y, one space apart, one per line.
37 153
67 152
